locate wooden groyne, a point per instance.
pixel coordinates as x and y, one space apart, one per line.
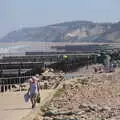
17 69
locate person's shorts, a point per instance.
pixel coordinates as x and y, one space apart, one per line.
33 95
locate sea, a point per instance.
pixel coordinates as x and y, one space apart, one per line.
19 48
9 50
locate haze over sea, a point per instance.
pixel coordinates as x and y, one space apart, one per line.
19 48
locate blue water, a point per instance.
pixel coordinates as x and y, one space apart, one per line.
10 50
71 75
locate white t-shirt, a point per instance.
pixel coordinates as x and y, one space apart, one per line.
34 87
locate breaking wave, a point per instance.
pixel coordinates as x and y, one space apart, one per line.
13 49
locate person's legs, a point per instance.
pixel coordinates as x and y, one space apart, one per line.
33 100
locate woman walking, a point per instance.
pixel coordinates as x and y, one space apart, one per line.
33 90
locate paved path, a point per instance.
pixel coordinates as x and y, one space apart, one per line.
13 107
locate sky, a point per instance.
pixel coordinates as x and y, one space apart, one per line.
17 14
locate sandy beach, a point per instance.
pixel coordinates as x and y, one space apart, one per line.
13 106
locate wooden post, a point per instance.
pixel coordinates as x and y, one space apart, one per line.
0 88
3 88
10 87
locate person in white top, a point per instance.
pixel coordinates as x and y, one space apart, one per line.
33 90
37 77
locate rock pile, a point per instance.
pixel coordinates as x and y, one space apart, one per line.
51 79
87 98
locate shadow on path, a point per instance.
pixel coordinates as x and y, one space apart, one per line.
16 109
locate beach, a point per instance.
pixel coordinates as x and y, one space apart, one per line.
13 106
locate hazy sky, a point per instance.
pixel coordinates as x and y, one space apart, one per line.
16 14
